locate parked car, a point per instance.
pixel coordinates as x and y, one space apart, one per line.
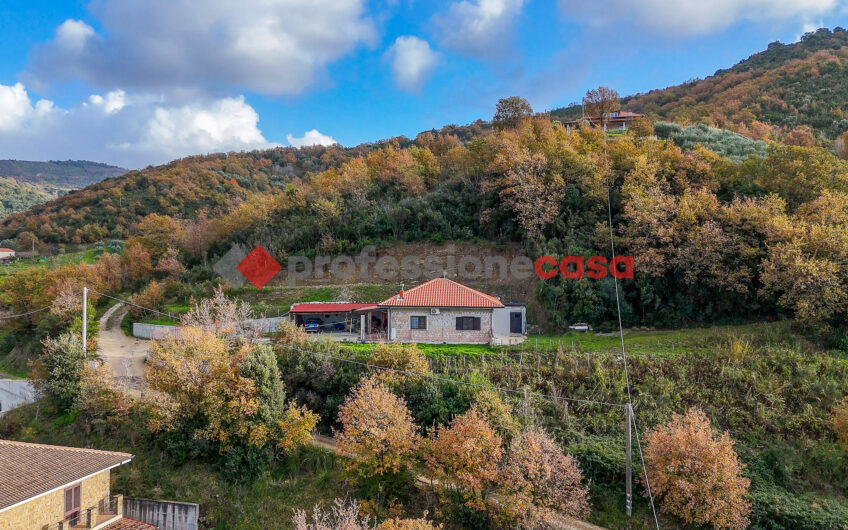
580 326
339 326
312 325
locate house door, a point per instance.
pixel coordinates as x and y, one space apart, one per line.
515 323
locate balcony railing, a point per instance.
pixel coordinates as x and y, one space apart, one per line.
105 510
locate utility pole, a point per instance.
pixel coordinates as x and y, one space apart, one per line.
628 481
84 319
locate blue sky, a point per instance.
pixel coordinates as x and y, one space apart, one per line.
137 82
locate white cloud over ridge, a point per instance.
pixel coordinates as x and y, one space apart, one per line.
275 47
412 62
312 137
478 28
130 131
690 18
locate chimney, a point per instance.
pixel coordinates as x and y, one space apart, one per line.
400 295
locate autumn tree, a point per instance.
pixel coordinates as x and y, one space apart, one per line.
465 455
136 261
101 402
26 242
222 314
377 432
510 111
696 473
230 396
840 423
539 482
58 370
497 413
405 358
841 146
157 233
599 103
151 297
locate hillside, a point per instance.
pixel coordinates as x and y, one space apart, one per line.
17 197
64 175
785 87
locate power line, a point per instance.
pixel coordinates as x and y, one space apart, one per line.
623 351
467 383
6 317
134 305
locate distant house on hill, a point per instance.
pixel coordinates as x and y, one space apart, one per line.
54 487
619 120
6 254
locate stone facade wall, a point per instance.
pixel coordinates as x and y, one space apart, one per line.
50 509
441 328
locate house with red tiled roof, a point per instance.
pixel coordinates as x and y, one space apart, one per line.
56 488
6 254
619 120
442 311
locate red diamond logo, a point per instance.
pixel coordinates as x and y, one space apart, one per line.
259 267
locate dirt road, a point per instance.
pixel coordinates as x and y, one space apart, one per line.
123 355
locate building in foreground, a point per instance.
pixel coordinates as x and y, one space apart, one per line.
48 487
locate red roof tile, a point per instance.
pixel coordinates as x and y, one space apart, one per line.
441 292
326 307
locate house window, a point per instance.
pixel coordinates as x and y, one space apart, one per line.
72 501
418 322
468 323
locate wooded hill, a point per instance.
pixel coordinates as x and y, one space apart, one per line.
67 174
787 87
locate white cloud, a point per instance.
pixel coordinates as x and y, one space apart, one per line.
269 46
72 35
125 129
16 108
113 102
312 137
479 28
686 18
412 62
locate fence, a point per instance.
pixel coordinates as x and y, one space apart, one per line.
167 515
160 331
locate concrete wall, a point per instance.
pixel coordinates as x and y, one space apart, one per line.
50 509
160 331
14 393
501 319
167 515
441 328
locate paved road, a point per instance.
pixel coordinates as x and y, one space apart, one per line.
123 355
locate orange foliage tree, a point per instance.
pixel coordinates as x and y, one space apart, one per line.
465 455
378 433
539 481
840 423
696 472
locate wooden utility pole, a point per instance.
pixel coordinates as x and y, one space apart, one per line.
628 481
84 319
